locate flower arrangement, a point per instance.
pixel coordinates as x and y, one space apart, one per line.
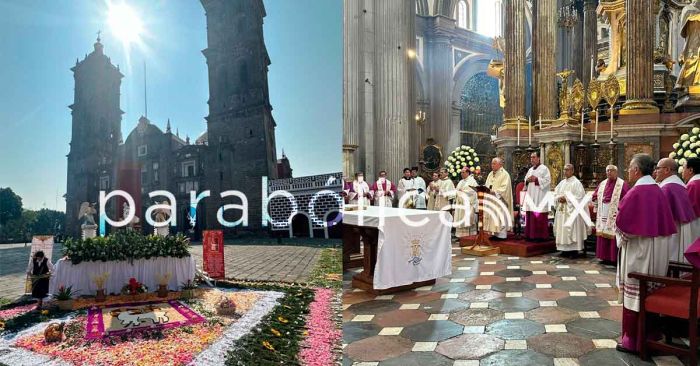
134 287
64 293
125 246
100 280
463 156
688 146
226 306
323 332
188 289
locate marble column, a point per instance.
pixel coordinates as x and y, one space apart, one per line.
394 77
514 35
590 40
352 82
544 61
440 67
640 58
578 64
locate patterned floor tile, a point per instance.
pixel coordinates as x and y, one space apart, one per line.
561 345
610 357
514 273
546 294
354 331
400 318
583 303
424 346
362 318
513 286
415 297
476 316
418 358
517 358
486 280
516 344
374 307
391 331
595 328
514 329
432 331
444 306
378 348
470 346
455 287
481 295
551 315
513 304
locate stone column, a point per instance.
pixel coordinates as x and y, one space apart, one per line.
590 39
578 65
352 83
640 58
440 67
395 34
544 61
514 35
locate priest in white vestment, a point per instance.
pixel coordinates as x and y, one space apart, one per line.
419 183
498 218
644 229
433 190
383 191
569 238
535 202
411 191
446 192
466 204
683 215
357 192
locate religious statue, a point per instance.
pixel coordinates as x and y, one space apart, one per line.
690 30
125 213
87 215
162 215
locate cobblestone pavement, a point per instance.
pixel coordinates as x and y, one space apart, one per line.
282 263
496 310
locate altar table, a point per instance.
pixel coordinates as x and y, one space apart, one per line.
398 254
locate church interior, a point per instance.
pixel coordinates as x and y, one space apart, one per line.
578 123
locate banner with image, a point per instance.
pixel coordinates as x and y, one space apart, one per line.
213 253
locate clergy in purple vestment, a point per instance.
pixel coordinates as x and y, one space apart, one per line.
644 230
535 203
607 204
674 189
691 175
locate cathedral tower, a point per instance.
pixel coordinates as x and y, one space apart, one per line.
241 130
96 132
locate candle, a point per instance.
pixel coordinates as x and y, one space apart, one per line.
582 125
518 132
612 121
540 121
592 68
529 131
596 124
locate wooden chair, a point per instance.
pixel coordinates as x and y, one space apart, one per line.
678 299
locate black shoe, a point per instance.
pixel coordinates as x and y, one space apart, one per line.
563 254
619 348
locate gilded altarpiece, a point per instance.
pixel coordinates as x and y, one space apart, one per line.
631 150
555 161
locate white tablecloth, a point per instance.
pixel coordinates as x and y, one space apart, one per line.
146 271
406 252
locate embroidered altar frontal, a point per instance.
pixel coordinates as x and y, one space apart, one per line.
115 320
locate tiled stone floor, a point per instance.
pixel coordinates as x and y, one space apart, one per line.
496 310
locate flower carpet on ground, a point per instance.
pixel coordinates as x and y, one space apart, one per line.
203 341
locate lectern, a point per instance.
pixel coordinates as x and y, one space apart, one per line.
481 246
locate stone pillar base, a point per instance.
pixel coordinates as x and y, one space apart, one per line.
639 106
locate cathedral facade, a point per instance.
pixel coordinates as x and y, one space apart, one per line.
236 152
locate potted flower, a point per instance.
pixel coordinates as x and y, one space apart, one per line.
134 288
99 281
163 284
188 289
225 306
64 297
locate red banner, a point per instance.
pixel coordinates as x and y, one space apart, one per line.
213 253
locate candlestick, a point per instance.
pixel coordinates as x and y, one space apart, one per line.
582 125
518 132
529 130
596 124
592 68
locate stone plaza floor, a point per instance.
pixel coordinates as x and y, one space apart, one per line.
493 311
263 262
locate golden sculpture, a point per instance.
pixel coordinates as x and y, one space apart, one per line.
611 90
564 102
577 98
555 162
689 76
594 94
496 69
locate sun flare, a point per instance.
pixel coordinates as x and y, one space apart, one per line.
124 23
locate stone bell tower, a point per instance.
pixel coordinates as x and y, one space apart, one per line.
96 132
240 125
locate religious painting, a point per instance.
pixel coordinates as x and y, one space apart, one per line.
631 150
432 156
213 253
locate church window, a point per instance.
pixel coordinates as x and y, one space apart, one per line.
181 187
464 14
144 175
189 169
143 150
104 183
156 173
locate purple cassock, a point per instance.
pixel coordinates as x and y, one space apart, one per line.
692 254
694 193
678 199
643 212
606 249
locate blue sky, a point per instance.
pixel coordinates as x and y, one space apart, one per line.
40 41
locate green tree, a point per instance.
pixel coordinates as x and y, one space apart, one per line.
10 206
